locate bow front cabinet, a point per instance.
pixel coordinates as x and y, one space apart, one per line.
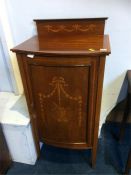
62 69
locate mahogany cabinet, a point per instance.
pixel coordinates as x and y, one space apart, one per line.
62 70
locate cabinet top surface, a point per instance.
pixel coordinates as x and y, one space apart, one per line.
72 19
89 45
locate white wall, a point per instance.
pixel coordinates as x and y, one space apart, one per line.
118 26
7 43
4 73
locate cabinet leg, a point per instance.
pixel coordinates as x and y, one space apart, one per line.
93 156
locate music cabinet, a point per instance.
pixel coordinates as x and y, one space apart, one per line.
62 69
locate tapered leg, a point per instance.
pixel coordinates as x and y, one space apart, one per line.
93 156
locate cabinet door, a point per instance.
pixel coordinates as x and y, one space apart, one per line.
63 92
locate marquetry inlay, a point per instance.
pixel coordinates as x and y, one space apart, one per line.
72 28
59 85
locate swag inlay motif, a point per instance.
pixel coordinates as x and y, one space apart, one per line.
59 84
72 28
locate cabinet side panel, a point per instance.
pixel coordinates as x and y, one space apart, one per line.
22 66
98 106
